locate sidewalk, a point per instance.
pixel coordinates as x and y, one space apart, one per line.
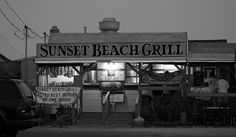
72 131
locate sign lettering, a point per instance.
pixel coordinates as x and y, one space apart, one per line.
56 95
119 50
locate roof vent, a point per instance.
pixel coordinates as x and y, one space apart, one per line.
109 25
54 29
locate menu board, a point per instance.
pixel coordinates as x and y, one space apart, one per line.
116 97
111 75
110 65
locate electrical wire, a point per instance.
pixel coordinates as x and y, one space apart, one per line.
18 36
14 12
36 34
12 24
9 44
28 35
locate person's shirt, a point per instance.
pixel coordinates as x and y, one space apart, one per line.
223 86
211 88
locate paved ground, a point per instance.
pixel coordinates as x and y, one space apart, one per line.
73 131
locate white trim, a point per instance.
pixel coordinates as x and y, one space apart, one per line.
211 61
89 60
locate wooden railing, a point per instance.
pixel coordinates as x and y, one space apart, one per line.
222 105
106 106
212 94
76 108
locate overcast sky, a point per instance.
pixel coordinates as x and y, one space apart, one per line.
202 19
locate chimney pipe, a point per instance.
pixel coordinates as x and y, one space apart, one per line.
109 25
85 29
54 29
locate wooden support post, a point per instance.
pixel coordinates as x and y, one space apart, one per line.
37 75
185 84
132 67
177 67
188 79
139 120
86 69
82 87
76 70
139 87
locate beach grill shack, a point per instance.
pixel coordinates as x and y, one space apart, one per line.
111 67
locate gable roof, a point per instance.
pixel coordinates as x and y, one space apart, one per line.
117 37
211 52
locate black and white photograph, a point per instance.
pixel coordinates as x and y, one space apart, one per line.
117 68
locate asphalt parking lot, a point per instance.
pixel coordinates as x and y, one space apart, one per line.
127 132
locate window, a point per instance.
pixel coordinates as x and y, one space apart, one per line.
25 90
208 71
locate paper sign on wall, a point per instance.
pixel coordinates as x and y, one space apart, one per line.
56 95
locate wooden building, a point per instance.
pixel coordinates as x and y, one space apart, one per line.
9 68
28 71
116 71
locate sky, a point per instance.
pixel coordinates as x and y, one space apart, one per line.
201 19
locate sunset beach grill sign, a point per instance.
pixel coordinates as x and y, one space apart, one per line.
116 50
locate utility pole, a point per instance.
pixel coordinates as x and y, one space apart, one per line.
45 37
26 48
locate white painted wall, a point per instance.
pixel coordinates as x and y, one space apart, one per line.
92 101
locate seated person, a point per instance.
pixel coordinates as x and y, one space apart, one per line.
210 87
212 76
223 85
223 88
